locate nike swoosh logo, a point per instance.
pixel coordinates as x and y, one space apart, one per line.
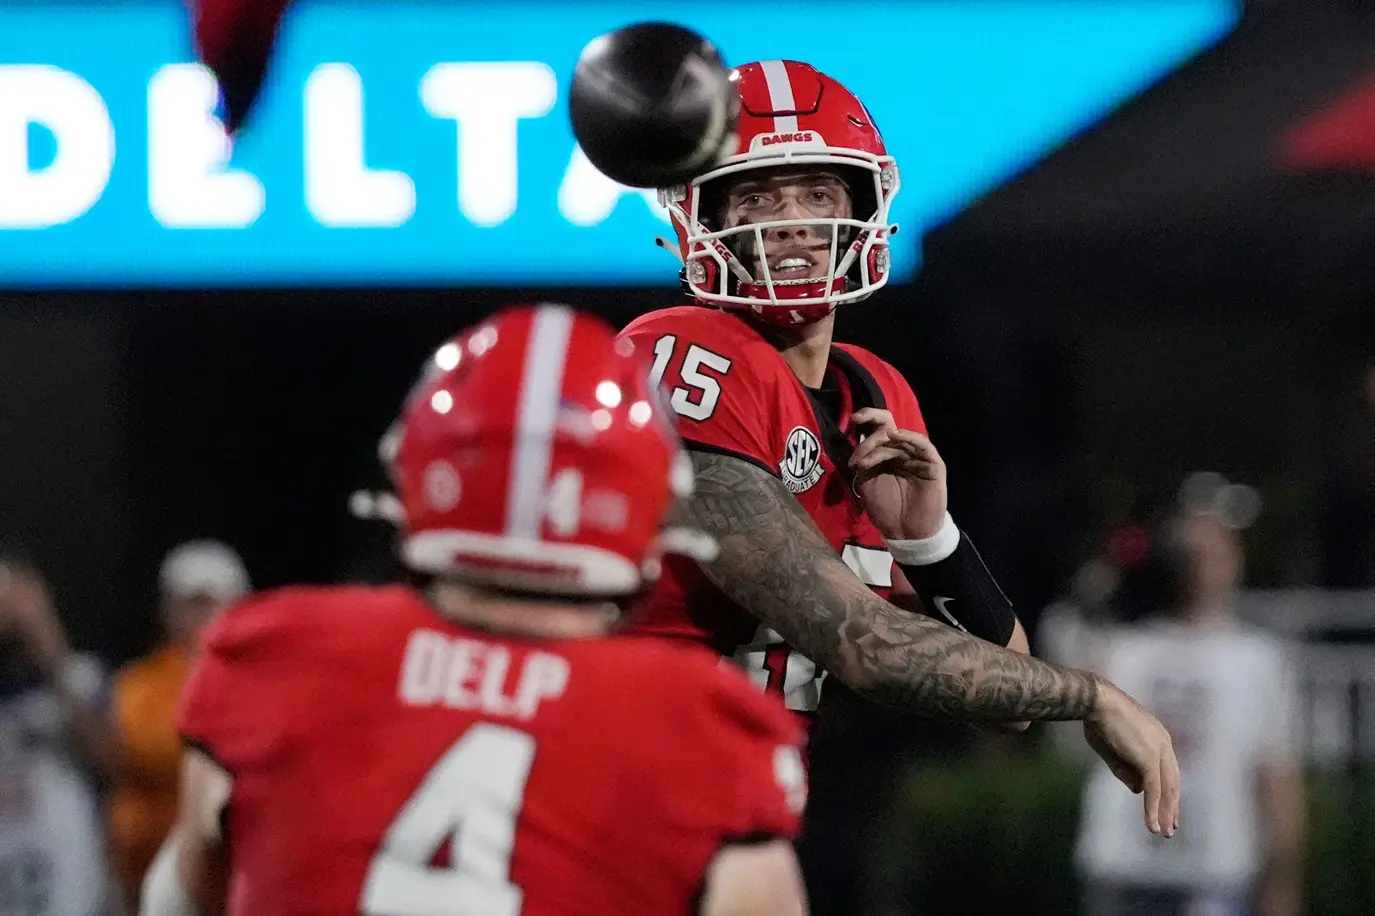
940 606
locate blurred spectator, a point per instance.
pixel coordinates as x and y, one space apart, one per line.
54 745
1348 502
1227 695
197 580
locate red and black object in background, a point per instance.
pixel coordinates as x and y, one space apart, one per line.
234 38
1339 136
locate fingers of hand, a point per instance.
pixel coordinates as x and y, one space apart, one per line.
918 456
1162 783
1151 787
873 416
900 459
1171 787
881 468
887 459
866 449
895 460
916 444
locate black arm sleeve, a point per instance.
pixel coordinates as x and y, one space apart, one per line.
960 591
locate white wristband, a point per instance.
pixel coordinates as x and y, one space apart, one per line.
925 551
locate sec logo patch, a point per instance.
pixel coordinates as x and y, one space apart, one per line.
801 464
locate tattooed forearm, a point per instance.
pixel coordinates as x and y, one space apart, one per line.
775 563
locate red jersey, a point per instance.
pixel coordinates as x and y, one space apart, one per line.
735 394
388 761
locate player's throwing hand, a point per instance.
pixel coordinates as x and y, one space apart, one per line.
1138 750
900 476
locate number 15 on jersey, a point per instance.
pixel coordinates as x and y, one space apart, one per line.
696 398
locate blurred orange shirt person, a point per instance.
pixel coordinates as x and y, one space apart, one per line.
197 580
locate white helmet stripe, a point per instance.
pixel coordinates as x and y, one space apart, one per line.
541 386
780 95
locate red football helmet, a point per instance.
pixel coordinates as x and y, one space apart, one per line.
790 115
534 455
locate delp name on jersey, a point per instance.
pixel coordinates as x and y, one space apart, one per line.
735 394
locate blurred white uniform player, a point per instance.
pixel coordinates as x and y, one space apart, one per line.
52 856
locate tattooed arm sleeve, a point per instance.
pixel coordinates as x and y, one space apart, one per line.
775 563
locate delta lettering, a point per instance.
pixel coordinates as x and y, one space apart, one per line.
191 184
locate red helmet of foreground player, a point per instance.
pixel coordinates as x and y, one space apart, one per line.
534 455
790 115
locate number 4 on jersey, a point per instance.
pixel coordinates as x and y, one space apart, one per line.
698 400
471 796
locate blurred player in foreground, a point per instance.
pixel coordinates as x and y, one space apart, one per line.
812 470
477 743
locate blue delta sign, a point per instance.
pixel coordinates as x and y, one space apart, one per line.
403 143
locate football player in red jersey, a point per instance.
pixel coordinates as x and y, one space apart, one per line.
476 743
811 464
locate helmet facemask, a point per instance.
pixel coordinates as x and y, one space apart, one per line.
722 265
